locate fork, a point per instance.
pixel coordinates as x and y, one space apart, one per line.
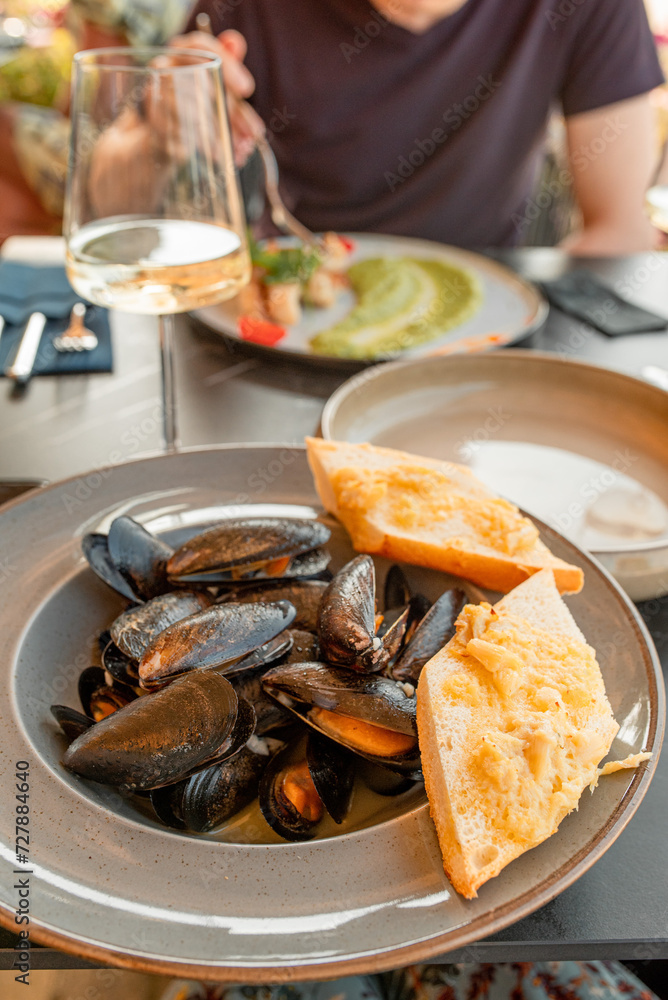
76 337
281 216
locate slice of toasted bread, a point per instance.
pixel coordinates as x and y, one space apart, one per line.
431 513
513 721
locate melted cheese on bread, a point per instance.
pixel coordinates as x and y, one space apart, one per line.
513 721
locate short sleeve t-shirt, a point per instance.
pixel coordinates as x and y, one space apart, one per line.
439 134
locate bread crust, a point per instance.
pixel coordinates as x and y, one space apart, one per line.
493 570
469 861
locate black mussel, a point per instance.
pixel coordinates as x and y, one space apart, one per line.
347 617
248 685
305 647
381 780
166 802
304 595
95 550
214 637
195 721
434 631
288 798
103 639
99 699
367 713
333 773
264 656
71 722
121 667
309 564
217 793
134 630
397 590
243 547
139 557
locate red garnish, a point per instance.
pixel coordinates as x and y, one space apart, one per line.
260 331
348 245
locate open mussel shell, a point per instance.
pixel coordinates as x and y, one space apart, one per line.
217 636
304 595
288 798
139 557
397 592
134 630
195 721
123 669
434 631
366 713
99 699
382 780
333 774
347 617
71 722
94 548
249 545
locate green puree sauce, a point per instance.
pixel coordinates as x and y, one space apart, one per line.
401 302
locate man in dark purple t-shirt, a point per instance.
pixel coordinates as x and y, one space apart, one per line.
428 117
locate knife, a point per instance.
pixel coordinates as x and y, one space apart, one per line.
21 368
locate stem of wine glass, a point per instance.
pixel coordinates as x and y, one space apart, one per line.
166 328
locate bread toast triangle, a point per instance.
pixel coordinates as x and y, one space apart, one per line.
508 747
431 513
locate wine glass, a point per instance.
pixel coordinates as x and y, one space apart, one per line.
154 220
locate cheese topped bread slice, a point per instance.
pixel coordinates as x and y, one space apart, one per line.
513 721
431 513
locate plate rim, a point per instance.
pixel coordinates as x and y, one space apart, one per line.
434 945
541 311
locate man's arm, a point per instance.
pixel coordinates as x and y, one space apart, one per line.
612 156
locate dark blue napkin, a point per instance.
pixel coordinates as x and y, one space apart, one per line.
25 289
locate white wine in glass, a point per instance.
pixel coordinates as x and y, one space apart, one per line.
153 219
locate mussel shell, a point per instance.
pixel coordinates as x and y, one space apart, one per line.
305 647
166 802
304 595
279 810
333 773
434 631
134 630
215 794
139 557
264 656
71 722
269 714
120 666
246 542
94 547
371 698
382 780
397 592
94 692
347 617
163 738
210 638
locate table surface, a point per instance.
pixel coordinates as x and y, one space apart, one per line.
68 425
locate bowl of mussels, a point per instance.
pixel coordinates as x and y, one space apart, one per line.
246 683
